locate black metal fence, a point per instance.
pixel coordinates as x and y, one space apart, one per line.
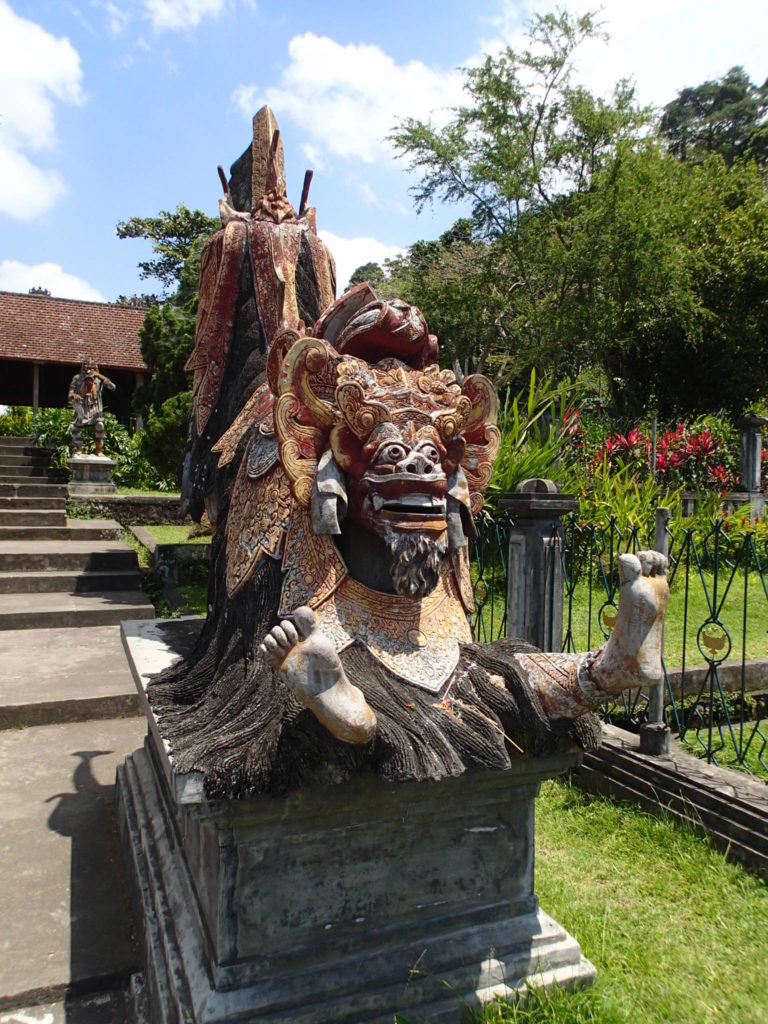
716 636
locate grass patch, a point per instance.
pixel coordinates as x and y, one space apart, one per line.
676 932
725 745
182 534
194 597
143 492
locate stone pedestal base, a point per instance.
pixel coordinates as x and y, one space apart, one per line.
91 475
654 738
339 903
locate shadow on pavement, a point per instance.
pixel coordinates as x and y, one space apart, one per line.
103 952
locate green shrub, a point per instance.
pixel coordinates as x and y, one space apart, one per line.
165 433
617 492
535 437
16 422
50 429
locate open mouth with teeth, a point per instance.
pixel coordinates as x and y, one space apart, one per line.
408 506
423 508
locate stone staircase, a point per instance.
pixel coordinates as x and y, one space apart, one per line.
54 571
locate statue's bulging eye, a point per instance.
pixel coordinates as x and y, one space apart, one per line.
392 453
430 452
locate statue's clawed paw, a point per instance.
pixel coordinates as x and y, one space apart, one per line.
310 666
282 639
644 563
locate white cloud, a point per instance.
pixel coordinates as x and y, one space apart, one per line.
20 277
348 98
27 190
246 99
118 18
351 253
36 69
314 156
181 14
664 46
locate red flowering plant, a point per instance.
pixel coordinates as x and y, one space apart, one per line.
699 457
631 450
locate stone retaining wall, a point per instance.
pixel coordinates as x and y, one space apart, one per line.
133 509
730 806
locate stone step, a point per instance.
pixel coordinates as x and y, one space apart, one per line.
15 442
21 469
40 489
16 517
76 529
17 502
18 456
41 611
55 581
71 556
745 826
729 805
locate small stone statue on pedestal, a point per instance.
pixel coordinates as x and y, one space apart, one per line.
85 398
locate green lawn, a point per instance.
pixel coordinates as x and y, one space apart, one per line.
195 598
177 535
724 745
676 932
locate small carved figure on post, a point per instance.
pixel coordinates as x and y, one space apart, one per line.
85 397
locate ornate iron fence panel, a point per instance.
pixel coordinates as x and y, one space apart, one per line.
717 624
489 568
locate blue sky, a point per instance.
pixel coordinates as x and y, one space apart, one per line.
114 108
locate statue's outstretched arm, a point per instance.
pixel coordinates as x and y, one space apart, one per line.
571 684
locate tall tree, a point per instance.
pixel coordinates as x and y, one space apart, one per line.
167 335
528 142
728 116
172 236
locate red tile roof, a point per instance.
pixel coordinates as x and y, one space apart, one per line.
47 330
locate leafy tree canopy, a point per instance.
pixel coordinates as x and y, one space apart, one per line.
167 335
728 116
590 247
172 236
373 273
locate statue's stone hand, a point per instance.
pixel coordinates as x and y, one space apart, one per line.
309 664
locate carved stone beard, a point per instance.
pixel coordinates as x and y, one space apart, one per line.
415 562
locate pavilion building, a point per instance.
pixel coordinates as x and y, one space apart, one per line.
44 339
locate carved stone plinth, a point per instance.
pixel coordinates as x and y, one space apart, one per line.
346 901
91 475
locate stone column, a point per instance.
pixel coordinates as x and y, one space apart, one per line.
749 469
535 587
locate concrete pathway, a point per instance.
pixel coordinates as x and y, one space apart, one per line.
68 717
67 945
67 926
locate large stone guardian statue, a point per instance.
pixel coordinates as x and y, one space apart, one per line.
349 777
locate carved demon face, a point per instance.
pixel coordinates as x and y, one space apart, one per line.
403 486
405 450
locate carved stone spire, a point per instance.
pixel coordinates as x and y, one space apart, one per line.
264 127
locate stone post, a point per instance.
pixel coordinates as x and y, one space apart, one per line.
749 469
535 587
654 734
